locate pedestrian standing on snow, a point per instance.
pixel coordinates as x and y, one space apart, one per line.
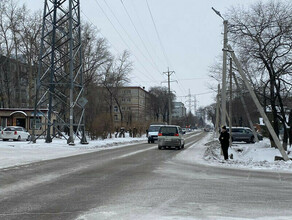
224 140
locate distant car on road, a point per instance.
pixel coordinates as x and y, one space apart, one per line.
184 130
15 132
153 133
244 134
171 136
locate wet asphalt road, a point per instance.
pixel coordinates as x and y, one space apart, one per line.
140 182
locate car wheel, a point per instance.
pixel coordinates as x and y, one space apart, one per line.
18 138
159 147
252 140
183 146
28 138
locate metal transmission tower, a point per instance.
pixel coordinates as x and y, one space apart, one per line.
59 85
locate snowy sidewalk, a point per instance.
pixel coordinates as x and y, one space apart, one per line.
258 156
14 153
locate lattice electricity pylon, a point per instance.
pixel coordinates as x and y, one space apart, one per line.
59 86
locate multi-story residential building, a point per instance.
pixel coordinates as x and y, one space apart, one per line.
16 83
179 110
133 106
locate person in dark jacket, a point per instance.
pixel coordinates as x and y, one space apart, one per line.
224 140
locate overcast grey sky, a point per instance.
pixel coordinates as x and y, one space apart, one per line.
190 34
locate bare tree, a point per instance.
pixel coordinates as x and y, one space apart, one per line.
262 34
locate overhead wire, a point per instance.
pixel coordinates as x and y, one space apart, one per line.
157 33
147 75
145 33
128 35
161 44
113 46
136 30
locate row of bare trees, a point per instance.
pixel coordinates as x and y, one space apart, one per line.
262 37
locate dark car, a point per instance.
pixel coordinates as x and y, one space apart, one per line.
244 134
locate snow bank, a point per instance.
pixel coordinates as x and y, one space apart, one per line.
13 153
252 156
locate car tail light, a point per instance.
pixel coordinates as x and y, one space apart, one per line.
176 134
159 134
15 132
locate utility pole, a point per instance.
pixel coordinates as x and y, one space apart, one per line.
169 73
223 91
259 107
189 101
195 105
245 109
230 101
217 112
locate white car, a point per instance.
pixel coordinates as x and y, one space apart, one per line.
15 132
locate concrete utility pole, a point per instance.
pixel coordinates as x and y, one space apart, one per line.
245 109
217 113
223 91
230 101
168 73
259 107
195 105
190 102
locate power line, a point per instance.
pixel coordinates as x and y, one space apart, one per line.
122 37
136 30
158 36
113 46
145 33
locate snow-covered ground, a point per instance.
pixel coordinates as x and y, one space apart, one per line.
13 153
206 151
258 156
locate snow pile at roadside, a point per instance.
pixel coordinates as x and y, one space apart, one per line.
253 156
13 153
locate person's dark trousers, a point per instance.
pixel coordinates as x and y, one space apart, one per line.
225 152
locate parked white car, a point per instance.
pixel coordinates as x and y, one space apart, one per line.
15 132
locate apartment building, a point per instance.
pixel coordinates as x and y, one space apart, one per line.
179 110
133 104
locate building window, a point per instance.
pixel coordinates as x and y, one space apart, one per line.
3 122
116 118
38 122
116 109
128 100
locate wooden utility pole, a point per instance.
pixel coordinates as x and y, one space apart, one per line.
169 73
259 107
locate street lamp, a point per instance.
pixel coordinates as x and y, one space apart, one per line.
223 91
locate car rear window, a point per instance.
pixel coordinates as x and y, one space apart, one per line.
9 129
153 128
18 129
168 131
237 130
